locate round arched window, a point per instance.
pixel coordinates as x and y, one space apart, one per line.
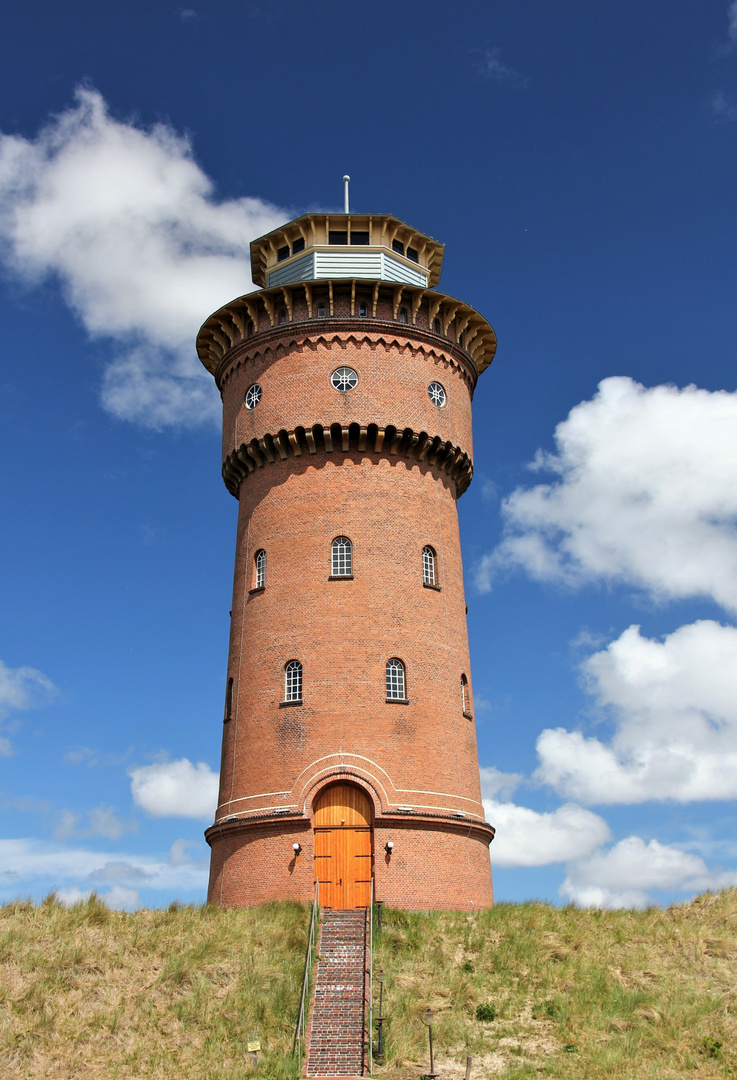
436 392
253 396
344 379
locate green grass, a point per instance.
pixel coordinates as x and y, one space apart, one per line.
584 995
95 993
580 995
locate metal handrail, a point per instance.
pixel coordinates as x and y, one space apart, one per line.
301 1030
371 984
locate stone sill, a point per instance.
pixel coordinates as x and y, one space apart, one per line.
340 577
427 585
397 701
289 704
258 589
468 715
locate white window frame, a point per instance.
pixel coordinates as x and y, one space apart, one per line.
341 557
253 396
435 391
293 681
260 563
429 559
465 697
344 379
396 680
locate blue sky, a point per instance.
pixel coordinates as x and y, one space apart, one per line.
578 160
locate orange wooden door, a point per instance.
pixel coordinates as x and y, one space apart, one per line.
343 847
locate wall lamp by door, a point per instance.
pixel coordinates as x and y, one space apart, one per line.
389 847
296 848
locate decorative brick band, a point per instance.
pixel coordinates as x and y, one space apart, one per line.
451 823
349 438
282 340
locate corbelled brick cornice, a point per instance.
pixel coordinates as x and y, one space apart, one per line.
382 439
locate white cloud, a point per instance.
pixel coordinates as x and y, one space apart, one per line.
527 838
100 821
646 495
624 875
129 224
73 895
22 688
732 15
180 849
492 67
176 789
494 782
29 863
674 707
120 898
723 108
65 825
119 872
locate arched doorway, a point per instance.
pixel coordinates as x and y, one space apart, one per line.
343 847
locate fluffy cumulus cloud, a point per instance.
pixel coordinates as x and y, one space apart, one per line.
130 226
673 704
625 874
645 494
176 789
527 838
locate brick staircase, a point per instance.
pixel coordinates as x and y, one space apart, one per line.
335 1039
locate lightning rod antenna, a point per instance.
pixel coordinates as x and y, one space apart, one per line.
346 197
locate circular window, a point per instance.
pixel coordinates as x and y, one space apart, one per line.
344 379
437 394
253 396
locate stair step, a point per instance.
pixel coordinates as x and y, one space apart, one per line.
336 1033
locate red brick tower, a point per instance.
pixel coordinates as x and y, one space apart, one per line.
349 744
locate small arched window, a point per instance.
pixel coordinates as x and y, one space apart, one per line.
465 696
395 682
341 557
321 310
436 326
403 315
363 310
428 566
229 701
260 567
282 316
293 681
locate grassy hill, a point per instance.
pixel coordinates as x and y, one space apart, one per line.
88 992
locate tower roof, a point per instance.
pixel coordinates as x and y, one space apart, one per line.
368 246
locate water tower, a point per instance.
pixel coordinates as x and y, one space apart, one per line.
349 742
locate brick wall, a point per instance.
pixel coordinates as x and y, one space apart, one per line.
432 865
421 754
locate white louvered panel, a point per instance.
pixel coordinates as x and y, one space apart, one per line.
348 264
394 270
300 270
